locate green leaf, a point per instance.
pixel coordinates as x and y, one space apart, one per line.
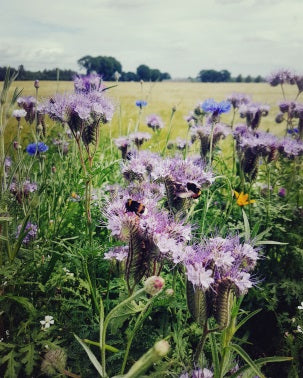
261 361
243 321
269 242
24 302
246 226
247 359
91 356
29 359
214 353
118 318
12 366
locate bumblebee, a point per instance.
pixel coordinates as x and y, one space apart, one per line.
135 207
194 189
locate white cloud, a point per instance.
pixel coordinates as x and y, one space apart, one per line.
181 37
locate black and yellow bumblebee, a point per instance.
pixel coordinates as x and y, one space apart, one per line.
135 207
195 189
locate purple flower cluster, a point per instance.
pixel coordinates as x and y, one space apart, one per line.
154 122
29 105
134 214
238 99
19 113
203 133
221 260
140 165
179 144
83 112
290 147
119 253
282 76
253 112
36 148
88 83
139 138
23 190
30 231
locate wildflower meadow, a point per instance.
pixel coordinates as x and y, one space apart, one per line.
151 229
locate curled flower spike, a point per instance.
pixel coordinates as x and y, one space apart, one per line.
242 199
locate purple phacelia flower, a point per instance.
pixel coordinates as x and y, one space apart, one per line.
82 112
141 103
88 83
290 148
29 104
139 165
154 122
283 76
19 113
203 133
139 138
22 191
253 112
36 148
30 232
238 99
123 143
220 259
216 108
117 253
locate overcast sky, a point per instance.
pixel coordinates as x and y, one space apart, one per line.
178 36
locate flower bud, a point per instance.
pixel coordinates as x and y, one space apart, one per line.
174 108
54 169
36 84
16 145
40 128
161 348
282 192
169 292
154 284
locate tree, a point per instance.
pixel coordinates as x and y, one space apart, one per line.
213 76
143 72
128 76
248 79
155 75
165 76
105 66
259 79
239 79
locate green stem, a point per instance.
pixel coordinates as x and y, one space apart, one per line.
169 129
106 322
201 342
138 323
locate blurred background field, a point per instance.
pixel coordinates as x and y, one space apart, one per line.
161 97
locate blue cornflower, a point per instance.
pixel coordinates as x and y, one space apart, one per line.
141 103
216 108
36 148
296 130
290 131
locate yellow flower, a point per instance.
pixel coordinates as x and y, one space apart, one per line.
242 199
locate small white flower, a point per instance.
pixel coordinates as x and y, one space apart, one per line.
7 332
299 329
1 339
46 323
69 274
301 306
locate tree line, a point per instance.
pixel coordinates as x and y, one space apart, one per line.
111 69
224 76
